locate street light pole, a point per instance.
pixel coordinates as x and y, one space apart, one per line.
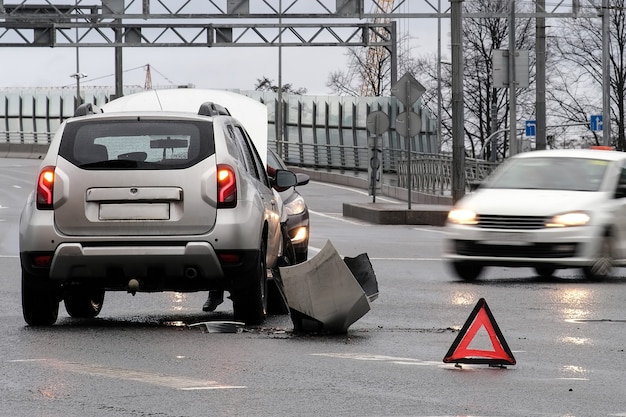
279 112
78 75
439 94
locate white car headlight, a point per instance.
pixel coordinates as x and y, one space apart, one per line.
462 216
576 218
296 206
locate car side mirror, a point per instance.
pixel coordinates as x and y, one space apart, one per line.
303 179
284 179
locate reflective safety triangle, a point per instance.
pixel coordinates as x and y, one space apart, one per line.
461 353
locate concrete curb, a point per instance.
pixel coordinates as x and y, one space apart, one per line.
422 214
23 150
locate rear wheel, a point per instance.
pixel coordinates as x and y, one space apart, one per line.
83 302
467 271
250 301
604 264
40 301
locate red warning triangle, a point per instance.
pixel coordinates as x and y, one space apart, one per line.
461 353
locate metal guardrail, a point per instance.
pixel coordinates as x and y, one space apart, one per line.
430 173
27 137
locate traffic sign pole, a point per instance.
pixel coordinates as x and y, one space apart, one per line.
377 124
408 90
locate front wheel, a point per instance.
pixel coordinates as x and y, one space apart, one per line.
276 300
467 271
545 271
83 302
250 301
40 301
604 264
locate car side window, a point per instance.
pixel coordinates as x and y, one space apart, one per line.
620 191
261 171
233 146
248 159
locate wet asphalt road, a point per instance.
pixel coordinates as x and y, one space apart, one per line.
139 357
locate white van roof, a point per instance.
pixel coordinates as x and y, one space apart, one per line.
251 113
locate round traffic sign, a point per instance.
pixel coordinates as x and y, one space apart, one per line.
377 122
408 123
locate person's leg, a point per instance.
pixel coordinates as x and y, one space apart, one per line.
215 298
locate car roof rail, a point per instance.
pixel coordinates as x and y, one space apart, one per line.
212 109
85 109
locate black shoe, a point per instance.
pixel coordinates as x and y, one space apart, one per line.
212 303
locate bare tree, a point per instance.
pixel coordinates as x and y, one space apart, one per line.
265 84
577 68
368 70
481 37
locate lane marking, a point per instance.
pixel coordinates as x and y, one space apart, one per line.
317 250
341 219
381 358
406 259
439 229
357 191
168 381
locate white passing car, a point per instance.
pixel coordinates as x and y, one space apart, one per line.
547 210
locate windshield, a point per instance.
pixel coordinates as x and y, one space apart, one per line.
552 173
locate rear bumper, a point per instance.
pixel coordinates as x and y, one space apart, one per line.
193 266
76 260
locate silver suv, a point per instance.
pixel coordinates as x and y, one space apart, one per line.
150 201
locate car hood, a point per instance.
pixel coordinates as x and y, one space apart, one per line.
530 202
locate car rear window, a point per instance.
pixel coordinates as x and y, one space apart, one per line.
137 144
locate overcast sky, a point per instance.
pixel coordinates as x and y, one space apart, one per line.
220 67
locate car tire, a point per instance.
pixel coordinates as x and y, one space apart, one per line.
545 271
250 301
83 302
604 264
467 271
276 301
40 301
302 256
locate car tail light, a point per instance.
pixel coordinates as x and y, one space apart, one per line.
226 187
45 185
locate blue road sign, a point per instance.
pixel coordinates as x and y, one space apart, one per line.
531 126
596 122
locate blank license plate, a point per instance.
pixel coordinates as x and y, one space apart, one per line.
135 211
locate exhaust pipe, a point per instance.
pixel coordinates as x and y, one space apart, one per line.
191 273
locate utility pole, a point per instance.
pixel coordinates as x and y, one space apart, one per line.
540 93
513 142
278 118
606 75
458 136
439 93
